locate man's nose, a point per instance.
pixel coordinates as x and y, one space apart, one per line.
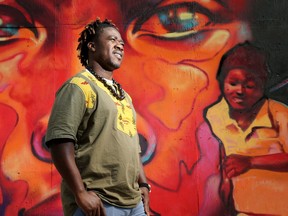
119 46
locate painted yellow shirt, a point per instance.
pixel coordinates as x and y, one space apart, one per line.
257 191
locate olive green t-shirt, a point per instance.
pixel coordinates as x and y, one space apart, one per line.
106 140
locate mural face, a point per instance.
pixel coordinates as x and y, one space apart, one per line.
172 52
32 65
242 90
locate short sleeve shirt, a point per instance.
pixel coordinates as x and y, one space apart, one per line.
106 140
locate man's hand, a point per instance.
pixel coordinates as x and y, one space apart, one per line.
145 199
90 203
235 165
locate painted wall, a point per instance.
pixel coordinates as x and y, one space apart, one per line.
172 51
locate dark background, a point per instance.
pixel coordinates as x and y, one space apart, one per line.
270 32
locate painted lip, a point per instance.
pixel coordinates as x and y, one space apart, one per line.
238 100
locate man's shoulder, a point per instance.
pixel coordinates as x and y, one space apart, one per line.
81 80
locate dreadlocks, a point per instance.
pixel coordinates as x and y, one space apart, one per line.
91 32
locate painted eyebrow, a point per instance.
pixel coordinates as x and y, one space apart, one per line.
132 8
222 2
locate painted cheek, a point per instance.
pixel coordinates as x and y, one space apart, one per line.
177 96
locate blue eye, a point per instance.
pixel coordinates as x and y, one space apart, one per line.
176 20
188 27
8 30
12 21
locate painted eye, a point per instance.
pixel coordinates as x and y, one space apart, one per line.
176 21
14 25
183 30
21 37
250 85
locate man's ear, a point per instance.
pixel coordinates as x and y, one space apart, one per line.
91 46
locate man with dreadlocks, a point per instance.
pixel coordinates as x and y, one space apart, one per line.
92 133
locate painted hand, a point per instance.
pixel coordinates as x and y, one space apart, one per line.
235 165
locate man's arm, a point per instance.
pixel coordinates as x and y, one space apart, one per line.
144 189
64 160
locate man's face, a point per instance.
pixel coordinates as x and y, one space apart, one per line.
172 51
109 49
242 89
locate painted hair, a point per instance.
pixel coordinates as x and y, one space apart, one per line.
244 56
90 32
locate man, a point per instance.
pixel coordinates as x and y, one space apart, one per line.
38 44
92 133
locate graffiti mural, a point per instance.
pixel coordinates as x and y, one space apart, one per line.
172 54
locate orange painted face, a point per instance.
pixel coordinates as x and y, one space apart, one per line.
172 52
33 63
